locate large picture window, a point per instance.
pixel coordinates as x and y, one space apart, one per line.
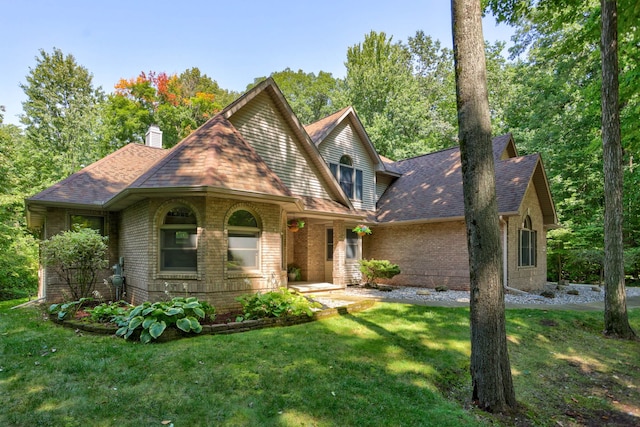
350 179
527 244
243 252
179 241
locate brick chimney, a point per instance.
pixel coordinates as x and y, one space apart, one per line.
153 137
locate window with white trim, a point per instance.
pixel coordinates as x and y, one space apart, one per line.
350 178
527 244
179 240
243 251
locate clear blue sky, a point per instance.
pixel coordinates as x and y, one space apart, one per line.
231 41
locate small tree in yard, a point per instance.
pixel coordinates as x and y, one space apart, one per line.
374 269
77 256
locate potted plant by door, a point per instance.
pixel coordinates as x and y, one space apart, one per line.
295 225
293 271
362 229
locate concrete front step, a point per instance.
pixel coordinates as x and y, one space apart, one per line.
307 287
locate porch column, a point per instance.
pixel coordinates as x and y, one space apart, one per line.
339 253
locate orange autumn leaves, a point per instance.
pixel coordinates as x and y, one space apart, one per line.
152 90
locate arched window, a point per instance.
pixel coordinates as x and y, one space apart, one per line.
179 240
243 252
346 160
527 244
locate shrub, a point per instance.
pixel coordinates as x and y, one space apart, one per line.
18 250
374 269
77 256
152 319
280 303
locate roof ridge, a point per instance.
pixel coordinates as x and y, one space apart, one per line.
98 163
426 154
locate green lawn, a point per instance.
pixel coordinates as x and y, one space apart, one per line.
392 365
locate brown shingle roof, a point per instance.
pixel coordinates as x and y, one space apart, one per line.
430 187
99 182
319 130
216 156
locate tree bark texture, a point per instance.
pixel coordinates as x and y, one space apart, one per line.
616 321
490 367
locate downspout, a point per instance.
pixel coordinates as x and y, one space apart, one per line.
505 260
43 267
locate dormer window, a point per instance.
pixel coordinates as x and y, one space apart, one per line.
350 178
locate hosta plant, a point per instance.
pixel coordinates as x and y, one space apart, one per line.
281 303
66 310
109 312
152 319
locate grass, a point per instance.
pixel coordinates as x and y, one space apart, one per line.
392 365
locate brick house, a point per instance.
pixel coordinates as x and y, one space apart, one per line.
210 217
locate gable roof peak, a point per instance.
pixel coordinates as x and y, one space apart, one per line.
320 129
214 156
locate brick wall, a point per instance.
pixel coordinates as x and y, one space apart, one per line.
527 278
134 235
57 221
316 250
134 246
212 281
428 254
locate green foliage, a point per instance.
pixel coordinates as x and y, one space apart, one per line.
555 109
66 310
61 119
374 269
109 312
311 97
281 303
405 93
18 248
362 229
294 269
77 256
178 104
152 319
18 251
413 359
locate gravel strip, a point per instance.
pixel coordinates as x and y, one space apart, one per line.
586 294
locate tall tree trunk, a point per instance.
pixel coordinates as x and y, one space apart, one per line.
490 367
616 321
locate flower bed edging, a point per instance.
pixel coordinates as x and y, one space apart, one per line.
228 328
